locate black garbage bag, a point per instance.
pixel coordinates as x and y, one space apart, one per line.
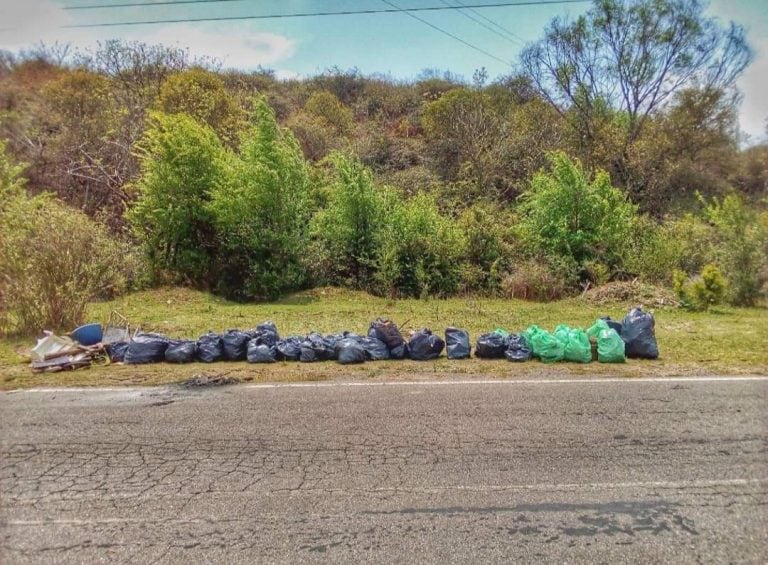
387 331
457 343
639 335
210 348
518 349
146 348
235 345
491 346
424 345
261 353
116 351
315 348
613 324
180 351
399 352
289 349
375 349
331 340
350 350
266 333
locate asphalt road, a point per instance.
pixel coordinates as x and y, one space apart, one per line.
603 472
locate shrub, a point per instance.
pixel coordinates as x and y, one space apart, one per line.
540 279
328 108
566 214
656 250
701 292
489 250
261 209
316 137
420 250
53 260
180 161
347 231
740 248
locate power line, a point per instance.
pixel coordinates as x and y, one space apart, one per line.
297 15
448 33
143 4
512 36
479 22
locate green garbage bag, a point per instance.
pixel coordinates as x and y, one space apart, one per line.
545 346
610 346
578 348
597 327
561 333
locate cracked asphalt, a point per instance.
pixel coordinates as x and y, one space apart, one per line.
567 471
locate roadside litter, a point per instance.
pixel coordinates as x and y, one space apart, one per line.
605 341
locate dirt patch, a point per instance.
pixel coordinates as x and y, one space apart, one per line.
200 381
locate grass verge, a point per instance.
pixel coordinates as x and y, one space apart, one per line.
725 341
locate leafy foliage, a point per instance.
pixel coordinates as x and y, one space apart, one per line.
566 214
260 207
181 160
53 259
701 292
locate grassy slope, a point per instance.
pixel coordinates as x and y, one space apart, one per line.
729 341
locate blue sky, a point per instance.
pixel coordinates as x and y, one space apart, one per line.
393 44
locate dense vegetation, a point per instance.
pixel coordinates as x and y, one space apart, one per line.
613 154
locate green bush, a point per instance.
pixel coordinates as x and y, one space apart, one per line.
327 107
740 248
260 207
347 231
490 247
701 292
566 214
180 162
420 250
656 249
53 260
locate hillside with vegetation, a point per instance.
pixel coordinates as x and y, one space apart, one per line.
611 154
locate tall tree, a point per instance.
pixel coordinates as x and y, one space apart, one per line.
625 59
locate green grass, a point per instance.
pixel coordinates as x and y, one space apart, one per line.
726 341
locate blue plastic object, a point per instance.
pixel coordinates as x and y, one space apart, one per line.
89 334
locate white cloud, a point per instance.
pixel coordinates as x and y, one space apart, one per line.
238 45
286 74
753 84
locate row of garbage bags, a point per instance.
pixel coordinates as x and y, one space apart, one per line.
614 341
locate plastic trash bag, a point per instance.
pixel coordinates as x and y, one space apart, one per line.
518 349
577 348
180 351
267 333
491 345
639 335
375 349
315 348
387 331
350 350
399 352
146 348
235 345
618 326
457 344
261 353
210 348
424 345
116 351
544 345
289 349
610 346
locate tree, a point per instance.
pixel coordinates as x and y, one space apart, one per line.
347 230
261 208
181 160
202 95
630 57
566 214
